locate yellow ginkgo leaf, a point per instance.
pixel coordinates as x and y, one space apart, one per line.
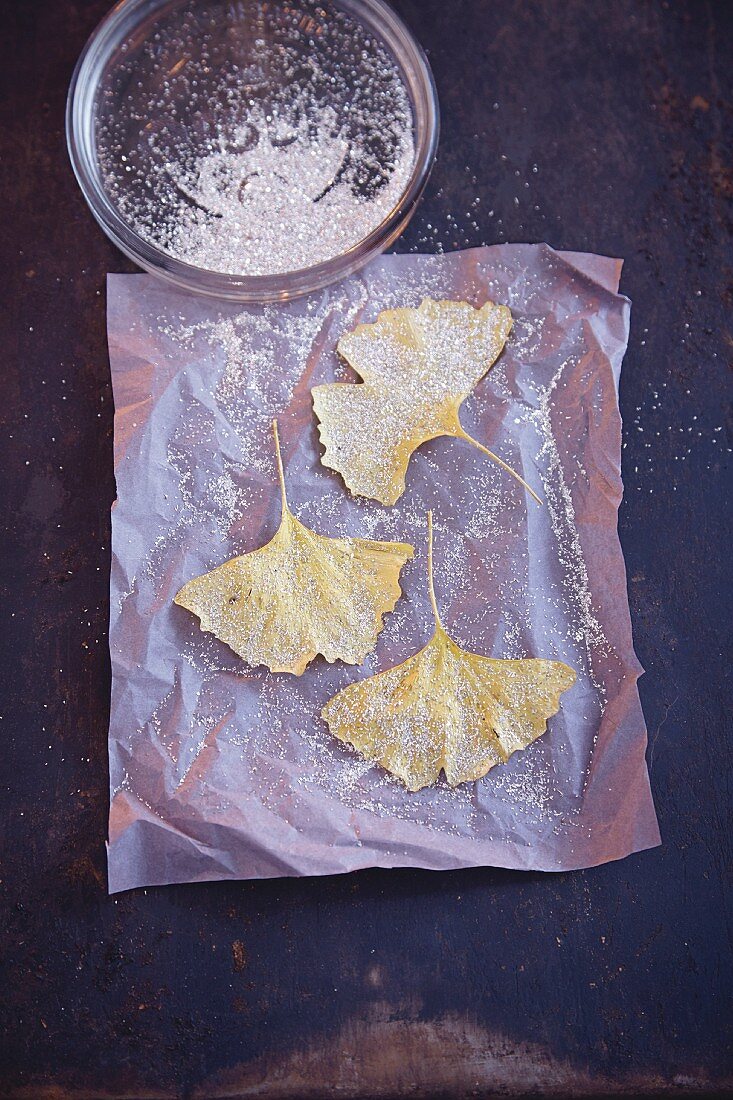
300 595
418 366
447 709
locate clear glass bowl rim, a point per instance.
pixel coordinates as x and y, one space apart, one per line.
107 37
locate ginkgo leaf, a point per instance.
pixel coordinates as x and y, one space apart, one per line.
447 709
417 366
299 595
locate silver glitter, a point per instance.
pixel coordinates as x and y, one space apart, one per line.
270 149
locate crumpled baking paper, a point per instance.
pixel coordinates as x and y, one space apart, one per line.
219 771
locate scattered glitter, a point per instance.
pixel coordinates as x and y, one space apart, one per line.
501 595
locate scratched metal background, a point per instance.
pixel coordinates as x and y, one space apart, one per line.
475 983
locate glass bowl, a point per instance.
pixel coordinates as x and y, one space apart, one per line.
163 84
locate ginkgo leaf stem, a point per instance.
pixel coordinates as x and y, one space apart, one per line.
460 434
280 470
431 584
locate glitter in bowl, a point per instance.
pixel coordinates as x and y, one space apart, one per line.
246 146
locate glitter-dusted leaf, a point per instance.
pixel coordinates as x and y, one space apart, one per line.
300 595
447 709
417 366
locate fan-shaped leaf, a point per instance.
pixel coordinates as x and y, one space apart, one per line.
300 595
418 366
447 709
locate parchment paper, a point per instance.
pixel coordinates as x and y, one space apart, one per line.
220 771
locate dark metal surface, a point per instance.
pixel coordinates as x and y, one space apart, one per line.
385 983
